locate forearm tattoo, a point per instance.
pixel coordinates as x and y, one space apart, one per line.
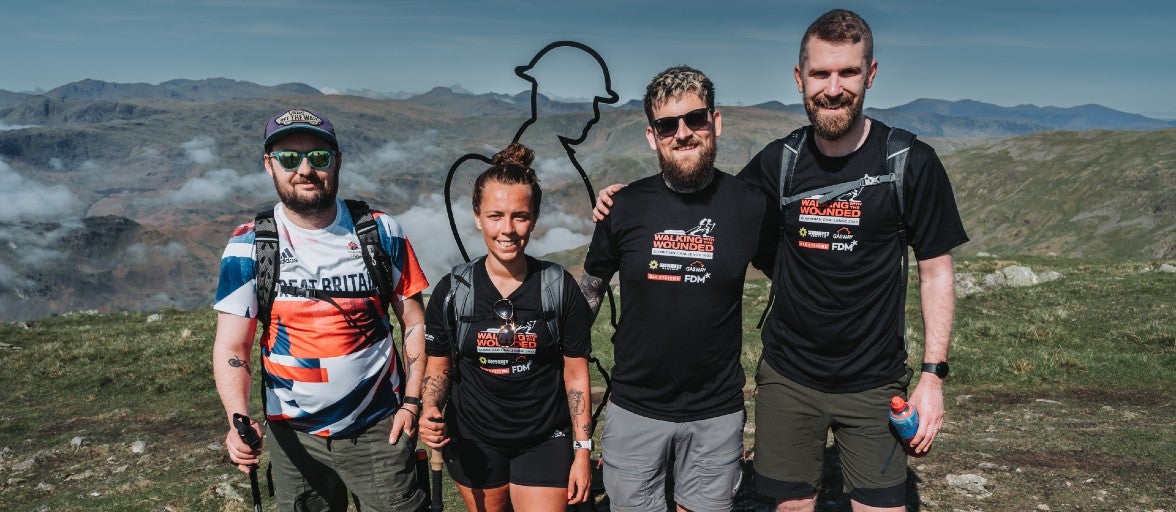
593 289
435 388
575 402
235 362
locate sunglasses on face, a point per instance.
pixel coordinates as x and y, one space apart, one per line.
290 159
504 309
696 120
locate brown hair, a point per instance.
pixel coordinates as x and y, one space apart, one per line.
511 166
676 81
839 26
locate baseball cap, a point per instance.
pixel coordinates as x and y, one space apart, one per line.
299 120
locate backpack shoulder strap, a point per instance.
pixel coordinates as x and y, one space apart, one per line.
898 149
265 245
459 305
551 297
378 263
788 156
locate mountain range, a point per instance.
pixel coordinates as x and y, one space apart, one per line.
121 196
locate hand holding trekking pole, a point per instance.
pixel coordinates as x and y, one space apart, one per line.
244 443
252 439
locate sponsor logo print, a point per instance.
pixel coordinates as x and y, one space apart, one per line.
656 265
846 247
847 213
499 362
697 266
843 234
691 278
663 277
353 246
812 233
813 245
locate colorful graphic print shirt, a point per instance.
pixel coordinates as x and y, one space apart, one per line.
331 368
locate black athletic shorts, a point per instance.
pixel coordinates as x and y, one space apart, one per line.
478 465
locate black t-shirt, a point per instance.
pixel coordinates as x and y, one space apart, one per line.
682 261
511 396
838 321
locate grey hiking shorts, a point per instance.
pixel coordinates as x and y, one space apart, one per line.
706 458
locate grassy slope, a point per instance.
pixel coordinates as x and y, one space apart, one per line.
1080 194
1060 395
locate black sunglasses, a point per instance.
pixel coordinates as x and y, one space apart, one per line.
504 309
290 159
698 119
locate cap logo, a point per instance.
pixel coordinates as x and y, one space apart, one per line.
298 116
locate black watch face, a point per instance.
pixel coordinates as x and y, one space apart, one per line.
941 370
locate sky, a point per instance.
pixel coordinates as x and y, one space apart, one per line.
1006 52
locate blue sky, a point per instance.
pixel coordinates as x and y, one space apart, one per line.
1047 53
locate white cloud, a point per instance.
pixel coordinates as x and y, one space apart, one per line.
24 199
56 164
557 239
218 184
427 227
201 149
554 170
6 127
91 166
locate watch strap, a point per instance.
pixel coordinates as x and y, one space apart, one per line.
411 400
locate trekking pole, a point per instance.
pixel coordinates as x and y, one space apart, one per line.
250 437
436 461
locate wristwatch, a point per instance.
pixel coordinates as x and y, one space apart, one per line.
411 400
939 369
582 445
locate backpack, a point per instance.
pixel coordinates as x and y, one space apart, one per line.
898 146
375 258
459 302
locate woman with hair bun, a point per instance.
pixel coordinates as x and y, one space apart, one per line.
518 397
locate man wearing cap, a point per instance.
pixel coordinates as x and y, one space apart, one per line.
341 408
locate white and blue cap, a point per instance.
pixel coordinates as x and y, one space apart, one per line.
299 120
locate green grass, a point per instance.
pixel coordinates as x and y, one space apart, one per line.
1060 394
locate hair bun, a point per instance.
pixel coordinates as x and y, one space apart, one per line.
514 155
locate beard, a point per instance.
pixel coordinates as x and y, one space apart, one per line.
833 126
689 176
321 200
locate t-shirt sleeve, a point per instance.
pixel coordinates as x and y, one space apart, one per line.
603 259
763 171
932 216
236 289
409 279
576 327
436 335
769 232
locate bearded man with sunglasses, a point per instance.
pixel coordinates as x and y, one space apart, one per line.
341 408
681 240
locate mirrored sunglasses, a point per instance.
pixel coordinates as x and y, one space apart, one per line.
290 159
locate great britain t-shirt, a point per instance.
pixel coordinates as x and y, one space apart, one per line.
331 368
682 260
509 391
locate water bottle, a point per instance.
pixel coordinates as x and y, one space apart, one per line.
904 418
